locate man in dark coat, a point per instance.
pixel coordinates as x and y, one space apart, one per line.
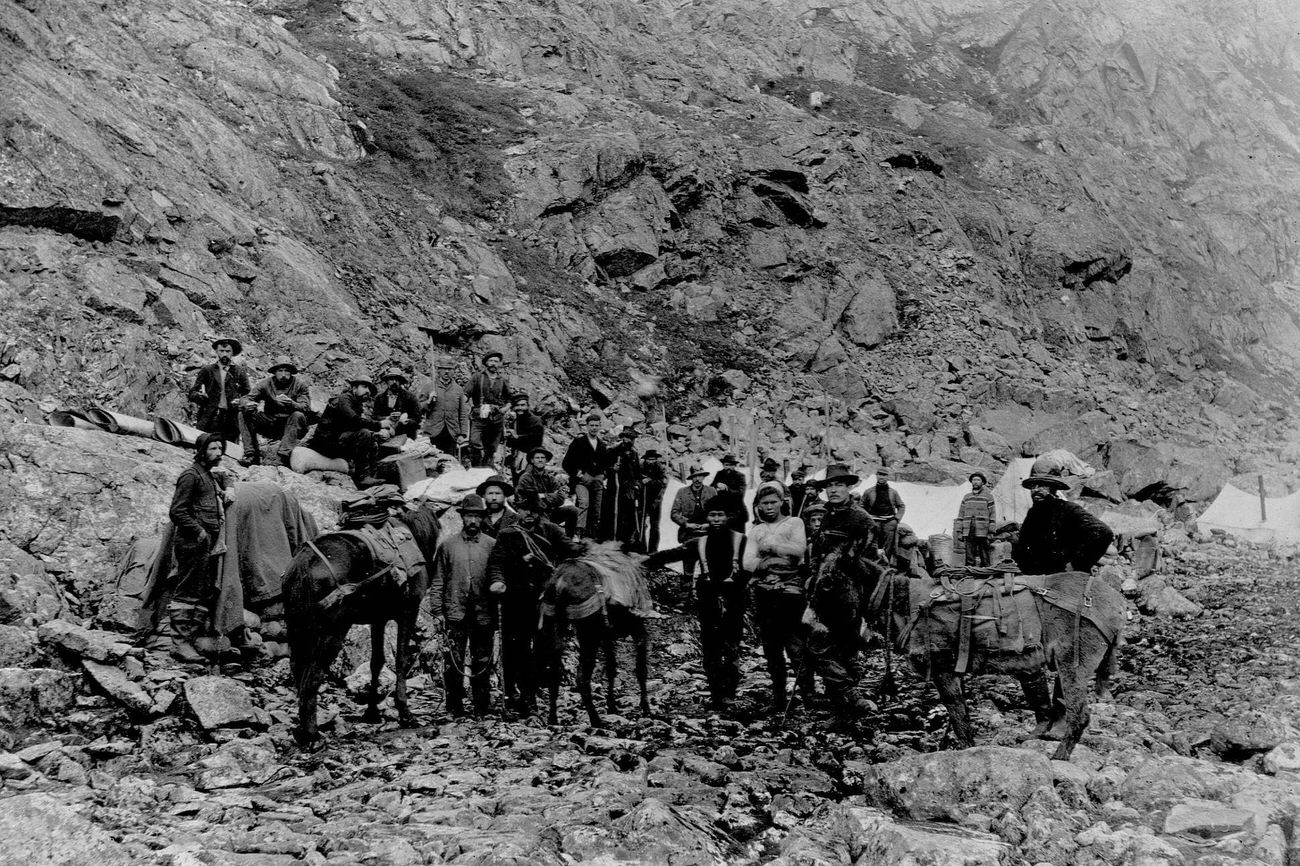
219 389
348 431
538 480
277 409
586 461
459 594
197 511
495 490
1058 535
489 397
520 564
654 483
527 430
623 498
398 405
799 490
886 507
835 596
730 484
447 411
690 513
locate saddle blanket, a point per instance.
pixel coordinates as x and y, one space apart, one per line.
392 545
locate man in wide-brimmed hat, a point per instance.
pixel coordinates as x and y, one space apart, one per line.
1058 535
690 512
835 599
975 521
198 509
446 411
347 430
397 404
729 477
489 397
654 483
277 409
495 490
460 595
538 480
219 389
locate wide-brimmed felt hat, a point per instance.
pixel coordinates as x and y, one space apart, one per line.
696 472
518 395
236 347
283 362
540 450
363 379
472 503
839 472
771 464
488 356
629 432
1051 481
496 481
394 373
651 454
980 475
730 460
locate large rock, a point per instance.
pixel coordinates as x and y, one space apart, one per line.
1205 818
98 646
1250 732
854 834
119 686
28 595
220 702
948 785
29 695
45 830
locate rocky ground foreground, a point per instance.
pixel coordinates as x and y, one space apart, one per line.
117 755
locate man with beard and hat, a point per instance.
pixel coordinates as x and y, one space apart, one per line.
538 480
346 430
446 412
460 595
769 471
197 511
495 490
654 483
886 507
730 475
799 490
690 513
623 498
520 564
527 430
219 390
777 546
277 409
835 596
489 397
1058 535
398 405
975 521
586 461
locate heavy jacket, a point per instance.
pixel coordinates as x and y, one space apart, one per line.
548 488
834 595
732 477
722 553
1057 536
296 390
484 390
976 516
689 507
448 409
528 432
523 559
345 413
401 402
206 393
583 456
460 579
774 552
197 503
494 524
892 506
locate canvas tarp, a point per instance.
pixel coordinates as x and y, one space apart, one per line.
1237 512
1011 500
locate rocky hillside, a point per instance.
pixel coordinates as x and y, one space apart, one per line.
969 229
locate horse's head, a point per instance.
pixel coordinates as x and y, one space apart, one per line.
424 525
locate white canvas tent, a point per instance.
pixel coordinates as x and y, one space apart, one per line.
1011 500
1237 512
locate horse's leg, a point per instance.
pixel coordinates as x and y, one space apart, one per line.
1039 698
608 644
1107 669
376 668
588 644
550 644
641 640
405 635
950 692
1074 690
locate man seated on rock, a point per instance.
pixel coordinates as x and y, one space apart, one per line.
277 409
1058 535
197 512
460 595
347 431
219 390
538 480
496 516
398 405
526 434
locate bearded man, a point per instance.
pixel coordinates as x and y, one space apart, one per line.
277 409
1058 535
219 389
197 512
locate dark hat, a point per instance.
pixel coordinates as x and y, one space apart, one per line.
490 355
801 469
593 416
1051 481
839 472
981 475
696 472
283 362
652 454
814 507
771 465
529 499
540 450
362 379
394 373
629 431
236 347
519 395
472 503
496 481
730 460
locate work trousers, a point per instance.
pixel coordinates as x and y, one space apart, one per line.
225 423
979 550
473 640
287 429
484 437
588 498
721 610
781 629
651 520
518 658
359 447
195 579
445 442
888 537
834 655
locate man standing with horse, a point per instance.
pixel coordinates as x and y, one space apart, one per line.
460 597
845 549
520 564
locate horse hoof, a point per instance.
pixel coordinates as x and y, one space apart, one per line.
406 720
372 716
308 742
646 711
552 719
596 721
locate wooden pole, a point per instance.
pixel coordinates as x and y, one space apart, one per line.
1263 510
826 434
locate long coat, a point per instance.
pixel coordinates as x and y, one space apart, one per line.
1058 535
448 409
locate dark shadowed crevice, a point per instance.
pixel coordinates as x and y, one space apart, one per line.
84 224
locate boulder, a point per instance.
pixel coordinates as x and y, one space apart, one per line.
1283 758
1205 818
947 785
28 595
1158 598
43 829
1249 733
119 686
1156 785
220 702
99 646
18 647
856 834
30 695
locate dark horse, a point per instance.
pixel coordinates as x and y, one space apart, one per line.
576 594
333 584
1073 643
